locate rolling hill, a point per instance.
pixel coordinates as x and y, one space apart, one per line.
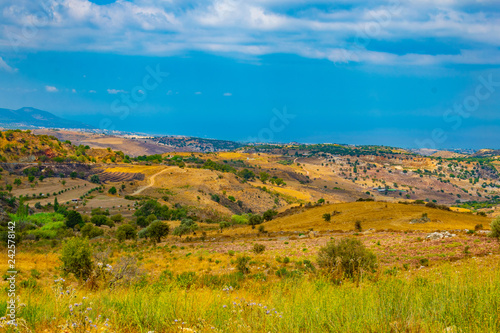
27 117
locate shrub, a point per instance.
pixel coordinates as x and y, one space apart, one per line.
125 231
327 217
112 190
478 227
259 248
99 220
74 218
495 228
76 256
91 231
269 214
357 226
348 256
242 264
95 179
117 218
254 220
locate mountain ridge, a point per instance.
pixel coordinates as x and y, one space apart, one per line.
31 117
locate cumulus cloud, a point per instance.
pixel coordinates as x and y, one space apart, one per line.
51 89
259 27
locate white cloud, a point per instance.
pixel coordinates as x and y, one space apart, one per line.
258 27
92 91
116 91
198 93
227 94
51 89
4 66
73 91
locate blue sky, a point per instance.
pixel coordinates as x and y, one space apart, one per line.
378 72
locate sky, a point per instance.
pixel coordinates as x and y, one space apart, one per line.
409 73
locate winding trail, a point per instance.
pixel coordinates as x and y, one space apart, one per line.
307 171
151 182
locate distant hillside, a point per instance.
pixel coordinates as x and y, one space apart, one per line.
487 153
197 144
25 147
447 154
30 117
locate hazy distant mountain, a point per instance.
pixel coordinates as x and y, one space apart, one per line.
30 117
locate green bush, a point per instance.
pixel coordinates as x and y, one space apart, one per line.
99 220
242 264
348 256
76 256
125 232
495 228
91 231
255 220
259 248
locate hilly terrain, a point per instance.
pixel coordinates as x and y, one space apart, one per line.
104 234
31 118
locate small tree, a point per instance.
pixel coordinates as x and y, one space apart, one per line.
17 181
76 257
99 220
495 228
95 179
264 176
157 230
141 221
269 214
327 217
125 231
73 219
56 205
255 220
112 190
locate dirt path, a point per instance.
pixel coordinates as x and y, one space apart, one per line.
303 164
151 182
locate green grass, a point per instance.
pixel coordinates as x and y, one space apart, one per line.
40 219
467 301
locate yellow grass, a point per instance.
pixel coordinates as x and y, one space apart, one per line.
376 215
145 169
290 192
460 210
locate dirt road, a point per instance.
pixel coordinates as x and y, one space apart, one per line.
151 182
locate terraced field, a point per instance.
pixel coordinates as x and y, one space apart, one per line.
116 177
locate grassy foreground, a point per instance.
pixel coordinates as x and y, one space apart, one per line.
450 298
